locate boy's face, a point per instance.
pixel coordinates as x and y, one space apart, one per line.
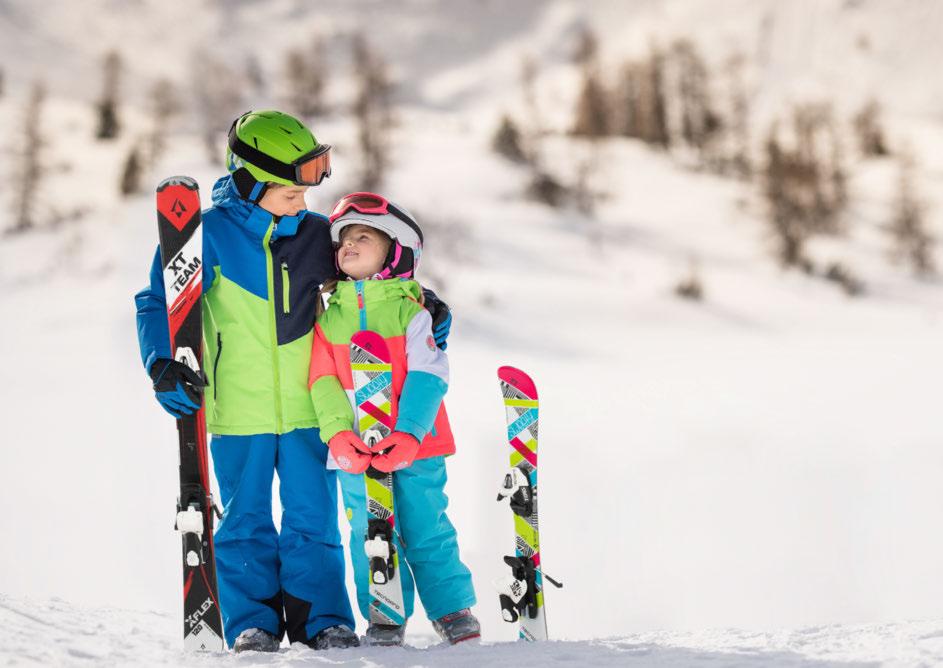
362 251
284 200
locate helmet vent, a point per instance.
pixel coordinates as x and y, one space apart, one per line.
255 140
297 148
285 130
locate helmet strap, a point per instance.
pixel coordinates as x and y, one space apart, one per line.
399 262
248 188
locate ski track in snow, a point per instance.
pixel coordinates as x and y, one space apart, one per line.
74 636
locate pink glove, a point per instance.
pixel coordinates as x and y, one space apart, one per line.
402 451
350 453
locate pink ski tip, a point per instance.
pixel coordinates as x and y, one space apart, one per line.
517 378
373 343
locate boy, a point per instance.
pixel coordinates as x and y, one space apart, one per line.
264 257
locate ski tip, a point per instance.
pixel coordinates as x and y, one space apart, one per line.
373 343
518 379
186 181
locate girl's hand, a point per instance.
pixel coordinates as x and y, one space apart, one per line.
350 453
400 450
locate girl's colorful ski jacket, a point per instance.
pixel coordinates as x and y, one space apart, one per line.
420 370
261 277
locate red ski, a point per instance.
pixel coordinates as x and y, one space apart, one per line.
181 251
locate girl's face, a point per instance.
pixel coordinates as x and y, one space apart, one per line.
362 251
284 200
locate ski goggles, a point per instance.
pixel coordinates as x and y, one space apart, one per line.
370 204
308 170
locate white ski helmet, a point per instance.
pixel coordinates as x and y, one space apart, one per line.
394 221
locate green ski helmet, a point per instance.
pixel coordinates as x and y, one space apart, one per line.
272 147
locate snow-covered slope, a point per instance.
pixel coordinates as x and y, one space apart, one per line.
766 459
74 636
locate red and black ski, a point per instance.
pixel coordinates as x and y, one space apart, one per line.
181 252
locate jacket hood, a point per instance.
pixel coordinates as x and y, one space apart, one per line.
373 290
225 196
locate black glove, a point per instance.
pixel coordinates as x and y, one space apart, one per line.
441 317
177 386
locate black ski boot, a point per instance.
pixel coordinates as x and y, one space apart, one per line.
334 637
458 627
256 640
385 635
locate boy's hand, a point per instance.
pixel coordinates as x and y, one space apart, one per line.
177 386
350 453
441 317
400 450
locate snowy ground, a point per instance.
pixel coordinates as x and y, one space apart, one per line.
115 637
767 459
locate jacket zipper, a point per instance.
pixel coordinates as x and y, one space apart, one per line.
219 351
286 290
358 285
273 331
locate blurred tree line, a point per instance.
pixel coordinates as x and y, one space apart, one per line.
672 101
214 96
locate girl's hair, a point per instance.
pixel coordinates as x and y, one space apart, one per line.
326 289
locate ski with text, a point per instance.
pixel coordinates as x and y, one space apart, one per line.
181 252
521 593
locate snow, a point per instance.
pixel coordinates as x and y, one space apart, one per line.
759 473
74 636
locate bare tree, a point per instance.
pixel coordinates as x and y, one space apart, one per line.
163 105
216 95
740 161
782 176
913 242
592 117
532 131
108 123
30 170
544 187
507 140
869 129
641 100
818 148
131 173
804 182
306 79
691 286
700 124
373 112
629 100
840 273
587 48
656 115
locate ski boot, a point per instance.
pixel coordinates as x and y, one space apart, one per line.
256 640
458 627
334 637
385 635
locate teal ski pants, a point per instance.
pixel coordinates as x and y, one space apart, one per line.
425 538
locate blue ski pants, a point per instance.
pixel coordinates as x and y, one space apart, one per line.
292 580
425 539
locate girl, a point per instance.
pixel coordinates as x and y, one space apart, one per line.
378 246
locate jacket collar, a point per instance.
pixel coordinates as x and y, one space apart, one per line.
373 290
251 216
